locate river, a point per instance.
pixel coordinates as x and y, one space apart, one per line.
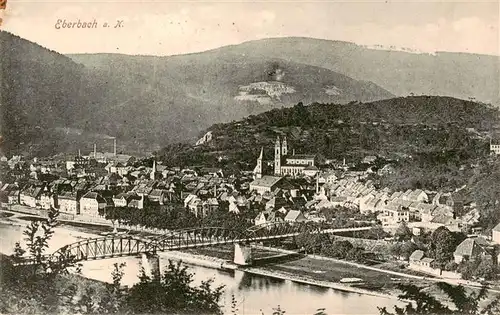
254 294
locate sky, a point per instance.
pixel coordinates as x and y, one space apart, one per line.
177 27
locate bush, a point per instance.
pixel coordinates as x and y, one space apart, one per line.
339 249
355 254
451 266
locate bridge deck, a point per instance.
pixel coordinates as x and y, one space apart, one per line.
120 245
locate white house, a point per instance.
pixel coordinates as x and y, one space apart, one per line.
496 234
91 203
46 200
68 203
295 216
123 199
13 197
30 197
393 214
265 217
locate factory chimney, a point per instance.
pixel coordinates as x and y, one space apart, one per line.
95 150
114 146
317 183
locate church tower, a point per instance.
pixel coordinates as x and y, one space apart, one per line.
258 168
284 147
277 157
153 172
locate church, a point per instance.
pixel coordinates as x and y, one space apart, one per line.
285 164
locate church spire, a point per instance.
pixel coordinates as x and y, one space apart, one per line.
153 172
258 168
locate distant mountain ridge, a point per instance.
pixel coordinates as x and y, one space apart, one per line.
460 75
148 101
145 101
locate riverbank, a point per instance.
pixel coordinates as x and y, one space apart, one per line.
220 258
316 270
271 271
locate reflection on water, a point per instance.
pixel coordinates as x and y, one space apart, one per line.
252 292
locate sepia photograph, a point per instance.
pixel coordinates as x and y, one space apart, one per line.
250 157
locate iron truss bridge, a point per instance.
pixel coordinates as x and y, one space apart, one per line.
126 245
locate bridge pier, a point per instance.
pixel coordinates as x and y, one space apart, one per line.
151 264
242 254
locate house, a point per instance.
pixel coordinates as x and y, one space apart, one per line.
495 147
425 211
91 203
370 159
328 177
311 170
210 205
265 217
496 234
339 201
68 203
426 262
188 199
137 202
13 197
386 170
370 205
315 216
47 200
323 204
416 256
194 204
417 195
158 196
123 199
265 184
419 262
30 197
295 216
471 249
393 213
234 208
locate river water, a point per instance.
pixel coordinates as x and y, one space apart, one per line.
254 294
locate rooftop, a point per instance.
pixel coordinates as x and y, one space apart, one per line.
301 156
266 181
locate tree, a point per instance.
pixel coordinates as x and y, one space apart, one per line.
451 266
486 269
407 248
467 269
403 232
376 233
47 287
173 293
38 284
355 254
443 245
395 250
424 303
339 249
313 243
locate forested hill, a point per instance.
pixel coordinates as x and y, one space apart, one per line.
52 103
461 75
39 89
394 128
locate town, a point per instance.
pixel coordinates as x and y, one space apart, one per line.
419 232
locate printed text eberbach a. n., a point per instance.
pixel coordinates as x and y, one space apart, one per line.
65 24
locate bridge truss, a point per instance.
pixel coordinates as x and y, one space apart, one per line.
125 245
